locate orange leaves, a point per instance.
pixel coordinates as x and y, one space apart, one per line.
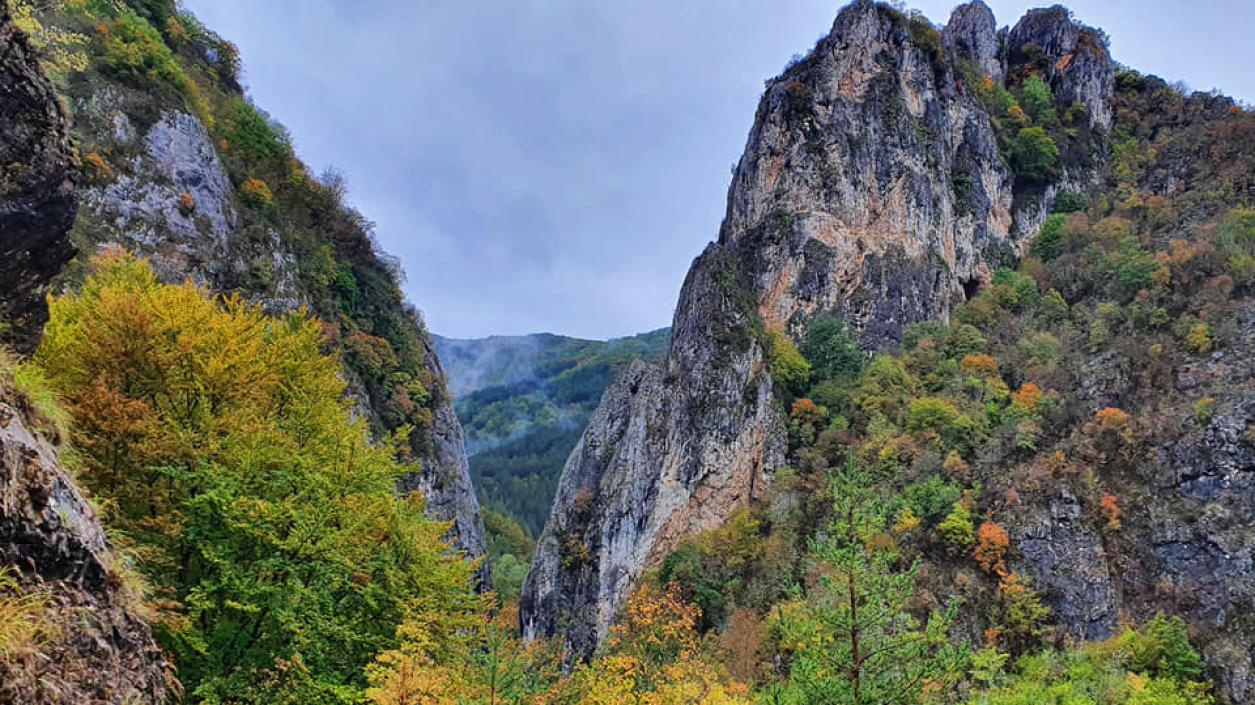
1110 421
1110 509
257 193
992 543
979 365
1028 396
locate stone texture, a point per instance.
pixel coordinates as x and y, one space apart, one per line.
101 651
445 477
972 35
37 199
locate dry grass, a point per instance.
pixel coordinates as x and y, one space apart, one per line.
24 625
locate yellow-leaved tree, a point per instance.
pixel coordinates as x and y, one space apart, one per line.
220 441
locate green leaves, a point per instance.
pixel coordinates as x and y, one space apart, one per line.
267 519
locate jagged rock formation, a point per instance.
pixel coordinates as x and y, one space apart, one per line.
37 201
871 188
98 648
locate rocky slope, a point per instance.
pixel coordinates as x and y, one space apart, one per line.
872 187
37 202
180 168
94 646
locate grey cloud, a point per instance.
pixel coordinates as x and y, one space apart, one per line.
556 164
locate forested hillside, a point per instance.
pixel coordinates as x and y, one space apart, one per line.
523 402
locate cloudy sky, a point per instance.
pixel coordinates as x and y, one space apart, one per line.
555 165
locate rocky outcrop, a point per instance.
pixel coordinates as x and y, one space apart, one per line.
971 35
173 203
871 188
37 200
95 648
1073 57
445 478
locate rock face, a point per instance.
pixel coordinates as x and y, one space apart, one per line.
871 188
1073 57
446 477
37 200
99 650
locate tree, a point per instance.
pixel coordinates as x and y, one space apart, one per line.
788 368
220 440
851 638
831 349
1034 155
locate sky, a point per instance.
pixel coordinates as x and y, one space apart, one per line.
556 165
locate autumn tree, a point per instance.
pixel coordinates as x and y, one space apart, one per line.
221 444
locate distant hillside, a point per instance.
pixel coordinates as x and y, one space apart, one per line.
524 400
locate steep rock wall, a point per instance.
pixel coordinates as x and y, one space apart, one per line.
871 188
37 200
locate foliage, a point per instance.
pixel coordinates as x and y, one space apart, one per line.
264 517
789 368
1034 155
831 350
851 639
136 53
1129 669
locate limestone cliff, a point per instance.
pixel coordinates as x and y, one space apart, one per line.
872 187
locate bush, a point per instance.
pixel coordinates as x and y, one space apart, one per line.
1038 101
831 350
257 194
1069 202
789 369
1034 155
136 53
957 528
1049 242
992 543
1163 649
931 413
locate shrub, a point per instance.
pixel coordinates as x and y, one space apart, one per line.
1069 202
992 543
96 169
1027 396
1053 306
1038 101
831 350
1110 509
1049 242
187 204
1034 155
1163 648
1204 409
256 193
1199 338
957 528
136 53
979 365
931 413
789 369
1023 615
